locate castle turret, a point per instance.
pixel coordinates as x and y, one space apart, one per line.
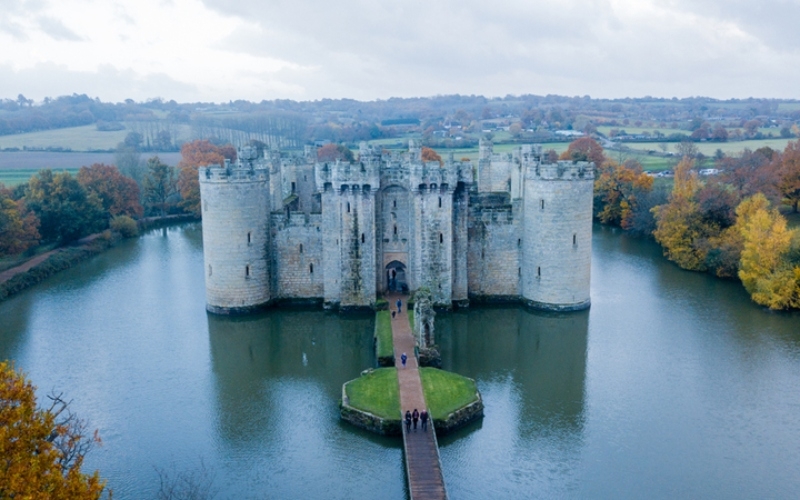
235 208
555 265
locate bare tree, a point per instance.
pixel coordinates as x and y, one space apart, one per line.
194 484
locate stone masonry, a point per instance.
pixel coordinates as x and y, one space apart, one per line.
288 228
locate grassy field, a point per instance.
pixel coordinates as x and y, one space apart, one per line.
709 148
377 392
383 333
446 392
84 138
16 167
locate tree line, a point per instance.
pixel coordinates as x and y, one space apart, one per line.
58 208
729 224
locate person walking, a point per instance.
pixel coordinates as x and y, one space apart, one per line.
415 418
423 417
408 420
399 306
403 359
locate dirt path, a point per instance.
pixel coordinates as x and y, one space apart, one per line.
25 266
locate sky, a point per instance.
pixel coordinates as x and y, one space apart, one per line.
223 50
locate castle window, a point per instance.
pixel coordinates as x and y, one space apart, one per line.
483 254
440 202
348 207
394 204
538 272
209 269
395 229
311 268
293 187
247 271
574 239
519 242
362 237
441 238
301 248
305 178
248 237
541 206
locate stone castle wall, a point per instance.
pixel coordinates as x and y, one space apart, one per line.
235 208
523 231
557 235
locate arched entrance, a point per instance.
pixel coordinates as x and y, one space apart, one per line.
396 277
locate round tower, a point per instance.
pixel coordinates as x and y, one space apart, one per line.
556 259
235 208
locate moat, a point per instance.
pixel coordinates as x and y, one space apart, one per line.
672 385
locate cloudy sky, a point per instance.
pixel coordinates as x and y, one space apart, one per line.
220 50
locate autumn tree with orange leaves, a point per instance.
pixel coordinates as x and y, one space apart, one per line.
41 449
789 174
616 191
19 226
195 154
119 194
584 149
429 154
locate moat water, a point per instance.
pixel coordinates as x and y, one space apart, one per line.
673 385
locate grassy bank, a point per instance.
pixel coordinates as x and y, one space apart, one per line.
377 392
62 259
446 392
383 334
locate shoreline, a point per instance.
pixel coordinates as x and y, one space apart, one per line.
40 267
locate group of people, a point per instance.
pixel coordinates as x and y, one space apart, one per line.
413 418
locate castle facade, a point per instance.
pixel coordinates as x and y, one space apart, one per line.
513 227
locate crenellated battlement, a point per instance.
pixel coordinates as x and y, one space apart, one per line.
561 170
284 227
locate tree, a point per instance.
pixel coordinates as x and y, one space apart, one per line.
118 194
789 174
196 154
616 191
771 279
65 209
678 223
687 149
129 161
41 450
19 227
429 154
584 149
333 152
159 185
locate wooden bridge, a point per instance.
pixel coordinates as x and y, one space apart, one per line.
423 467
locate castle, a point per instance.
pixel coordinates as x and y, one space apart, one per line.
280 228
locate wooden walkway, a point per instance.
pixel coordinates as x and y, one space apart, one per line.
423 467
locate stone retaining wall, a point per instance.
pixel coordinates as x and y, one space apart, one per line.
366 420
461 417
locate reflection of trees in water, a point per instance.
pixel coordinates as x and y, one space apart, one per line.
255 359
542 354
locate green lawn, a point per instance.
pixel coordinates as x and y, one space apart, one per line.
377 392
446 392
383 333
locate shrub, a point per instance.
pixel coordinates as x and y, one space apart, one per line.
125 226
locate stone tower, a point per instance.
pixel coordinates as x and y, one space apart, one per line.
235 209
555 264
348 213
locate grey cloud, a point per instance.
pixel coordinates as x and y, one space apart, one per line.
108 83
56 29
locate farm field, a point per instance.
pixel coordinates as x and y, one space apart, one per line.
16 167
708 148
84 138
